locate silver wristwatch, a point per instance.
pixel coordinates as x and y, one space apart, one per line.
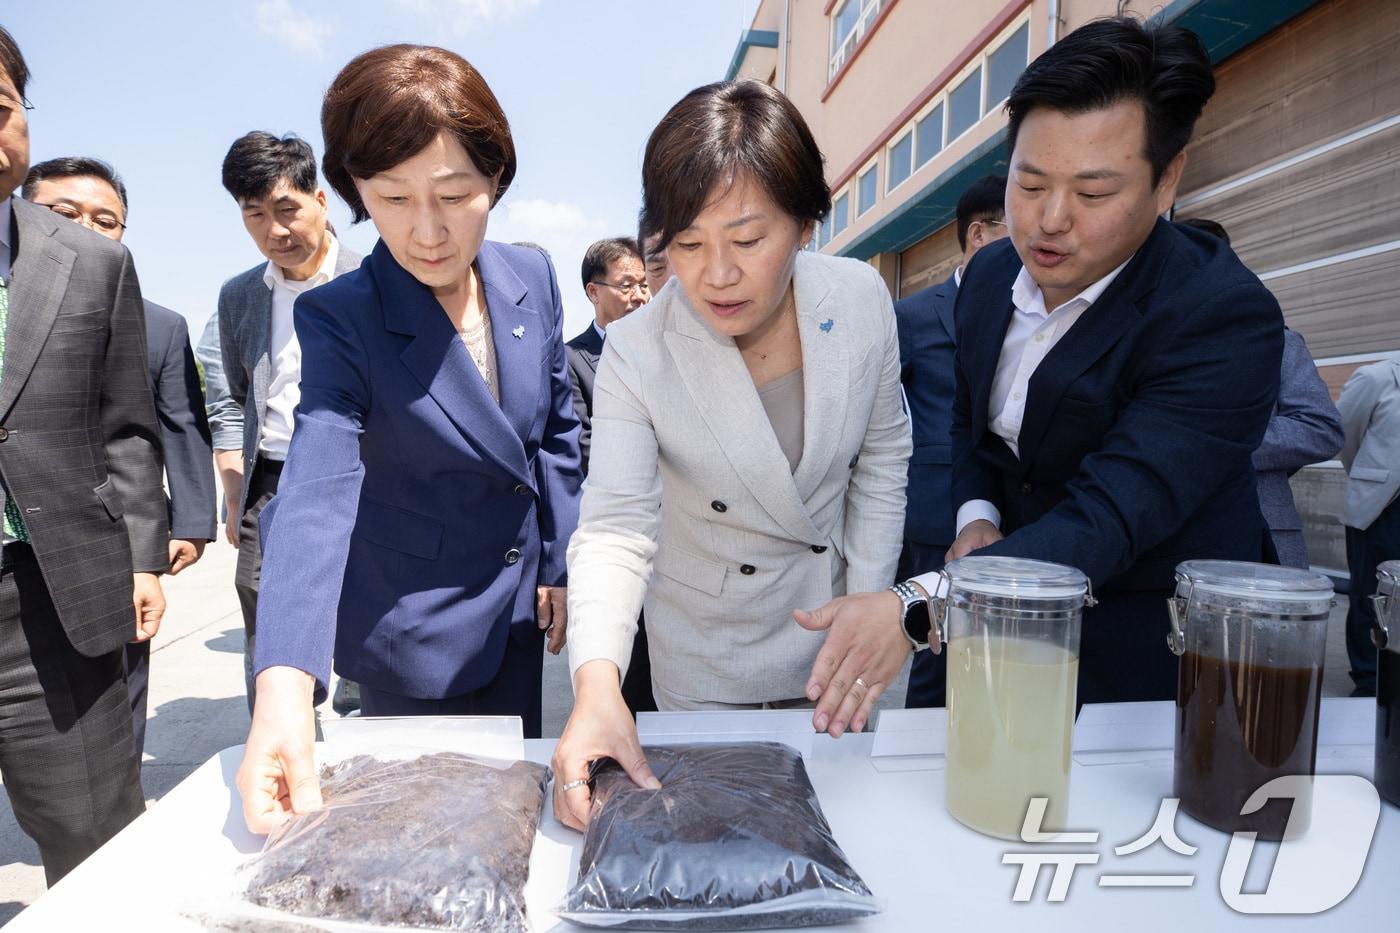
917 619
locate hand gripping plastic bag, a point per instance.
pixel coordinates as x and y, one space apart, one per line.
734 840
437 842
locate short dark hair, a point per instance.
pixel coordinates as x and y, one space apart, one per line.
604 253
644 232
257 161
1212 227
984 199
74 167
1115 59
12 60
389 103
713 133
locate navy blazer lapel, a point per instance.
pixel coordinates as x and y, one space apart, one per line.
438 360
1102 325
945 298
38 281
518 333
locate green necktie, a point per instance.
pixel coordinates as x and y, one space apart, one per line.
14 525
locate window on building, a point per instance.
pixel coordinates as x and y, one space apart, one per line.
1005 65
840 214
849 21
965 105
901 161
869 189
824 230
929 133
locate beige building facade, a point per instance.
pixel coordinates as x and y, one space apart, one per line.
1298 153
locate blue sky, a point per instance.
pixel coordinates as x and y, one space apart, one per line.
160 88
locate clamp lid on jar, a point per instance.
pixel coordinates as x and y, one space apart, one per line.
1017 577
1386 601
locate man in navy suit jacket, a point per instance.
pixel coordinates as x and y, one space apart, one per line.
926 343
1115 372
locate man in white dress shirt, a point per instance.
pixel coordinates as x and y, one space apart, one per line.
284 211
1115 372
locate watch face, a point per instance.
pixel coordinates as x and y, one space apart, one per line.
918 623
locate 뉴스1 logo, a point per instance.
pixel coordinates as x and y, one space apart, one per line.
1312 873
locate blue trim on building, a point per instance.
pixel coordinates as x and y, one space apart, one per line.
751 39
1225 27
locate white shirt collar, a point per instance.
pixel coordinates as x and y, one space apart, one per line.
957 276
602 334
274 277
1029 299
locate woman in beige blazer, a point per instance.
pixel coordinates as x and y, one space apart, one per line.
749 451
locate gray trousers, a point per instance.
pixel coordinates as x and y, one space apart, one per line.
262 486
66 752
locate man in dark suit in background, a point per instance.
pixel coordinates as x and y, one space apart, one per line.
1115 372
926 343
615 283
90 192
85 527
1305 428
614 279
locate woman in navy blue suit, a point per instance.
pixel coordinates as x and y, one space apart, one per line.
419 531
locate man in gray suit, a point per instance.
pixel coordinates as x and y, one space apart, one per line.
85 527
284 211
90 192
1370 407
1305 429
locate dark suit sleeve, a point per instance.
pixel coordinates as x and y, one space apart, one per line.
306 527
1198 406
184 429
558 471
576 377
130 436
1305 427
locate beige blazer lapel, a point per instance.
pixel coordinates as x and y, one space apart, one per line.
825 374
723 392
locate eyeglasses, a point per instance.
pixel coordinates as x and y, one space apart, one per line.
9 105
102 223
624 287
991 223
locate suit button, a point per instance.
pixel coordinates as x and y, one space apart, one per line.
521 489
719 506
1026 489
819 549
748 570
512 556
4 435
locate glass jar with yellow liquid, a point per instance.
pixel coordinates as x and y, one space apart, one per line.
1012 632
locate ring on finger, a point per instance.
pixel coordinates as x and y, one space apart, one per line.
574 785
860 682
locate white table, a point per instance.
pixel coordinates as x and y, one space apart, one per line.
928 871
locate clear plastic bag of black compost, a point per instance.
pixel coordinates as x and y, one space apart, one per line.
734 840
438 841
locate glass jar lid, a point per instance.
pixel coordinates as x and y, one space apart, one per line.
1016 577
1244 580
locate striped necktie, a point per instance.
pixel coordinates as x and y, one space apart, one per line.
14 525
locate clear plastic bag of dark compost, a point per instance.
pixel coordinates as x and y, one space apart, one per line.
734 840
438 842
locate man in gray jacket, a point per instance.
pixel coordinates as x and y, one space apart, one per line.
284 211
1370 407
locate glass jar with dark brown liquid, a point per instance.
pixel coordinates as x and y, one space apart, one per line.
1387 638
1251 638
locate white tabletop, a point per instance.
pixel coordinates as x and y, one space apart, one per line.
886 812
